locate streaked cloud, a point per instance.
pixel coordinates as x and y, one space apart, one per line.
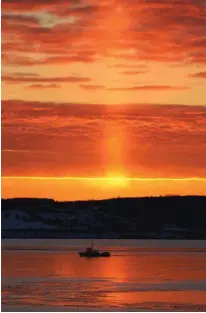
150 87
40 86
63 54
32 79
92 87
133 72
199 75
155 30
125 47
152 140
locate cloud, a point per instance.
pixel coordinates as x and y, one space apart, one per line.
198 75
31 79
133 72
159 31
16 60
24 74
19 20
92 87
128 66
40 86
134 88
149 87
86 58
37 139
102 138
32 5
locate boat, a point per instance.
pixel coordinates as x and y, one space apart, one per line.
92 253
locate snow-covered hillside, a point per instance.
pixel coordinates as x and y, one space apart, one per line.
16 219
160 217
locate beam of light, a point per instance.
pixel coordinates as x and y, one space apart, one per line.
114 151
110 179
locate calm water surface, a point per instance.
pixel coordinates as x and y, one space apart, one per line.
145 275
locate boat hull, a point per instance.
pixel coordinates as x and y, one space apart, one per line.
94 255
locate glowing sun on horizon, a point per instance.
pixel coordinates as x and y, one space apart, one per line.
116 180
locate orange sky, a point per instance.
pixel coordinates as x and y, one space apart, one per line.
109 89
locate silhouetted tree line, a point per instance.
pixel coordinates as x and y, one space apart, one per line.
128 217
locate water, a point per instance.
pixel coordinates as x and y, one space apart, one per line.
145 275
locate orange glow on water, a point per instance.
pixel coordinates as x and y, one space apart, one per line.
137 278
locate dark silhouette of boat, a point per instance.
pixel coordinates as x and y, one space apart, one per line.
92 253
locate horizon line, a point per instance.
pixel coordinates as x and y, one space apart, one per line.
105 178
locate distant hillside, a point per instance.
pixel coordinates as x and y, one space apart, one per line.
152 217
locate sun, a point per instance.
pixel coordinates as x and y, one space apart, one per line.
116 180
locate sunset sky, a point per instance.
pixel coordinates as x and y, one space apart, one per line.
103 98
